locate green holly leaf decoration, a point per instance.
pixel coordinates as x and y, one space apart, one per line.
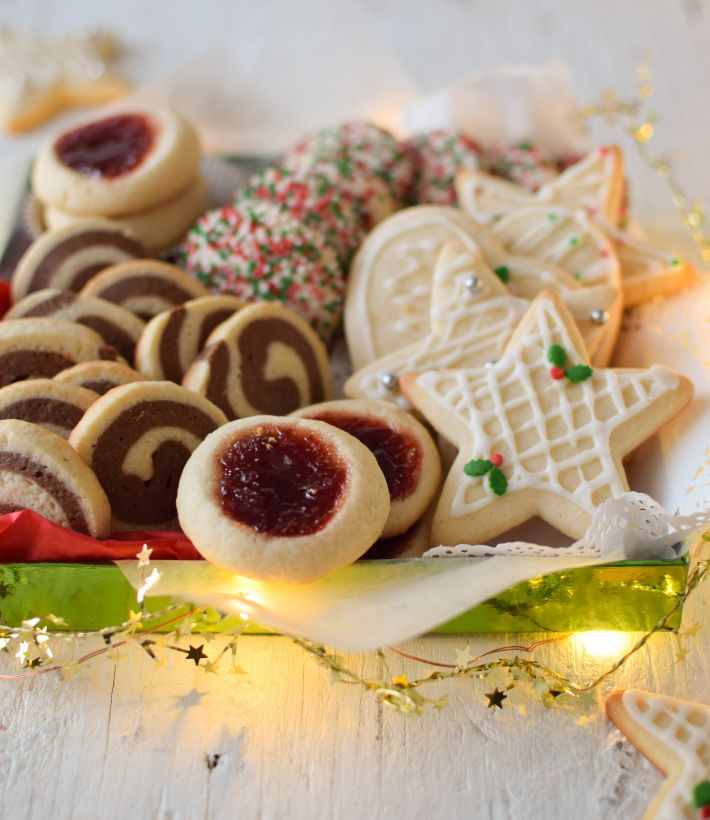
503 273
556 355
701 794
478 467
578 372
497 481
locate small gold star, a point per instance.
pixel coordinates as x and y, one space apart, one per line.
495 698
144 556
463 656
401 680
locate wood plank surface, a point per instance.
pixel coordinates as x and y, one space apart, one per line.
132 738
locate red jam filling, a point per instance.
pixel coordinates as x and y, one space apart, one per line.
399 455
107 148
281 481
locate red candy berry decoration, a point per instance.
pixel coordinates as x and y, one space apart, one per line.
575 373
496 459
557 373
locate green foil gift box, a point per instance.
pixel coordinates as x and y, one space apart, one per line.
631 595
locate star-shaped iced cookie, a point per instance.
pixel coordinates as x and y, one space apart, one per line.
472 317
595 184
675 736
389 288
539 432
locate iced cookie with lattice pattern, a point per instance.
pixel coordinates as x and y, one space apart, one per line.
595 184
472 316
41 76
675 736
389 290
539 432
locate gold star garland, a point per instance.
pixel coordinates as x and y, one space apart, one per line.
30 646
639 123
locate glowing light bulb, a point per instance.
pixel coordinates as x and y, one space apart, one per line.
601 643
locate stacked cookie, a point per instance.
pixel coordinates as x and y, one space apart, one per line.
139 168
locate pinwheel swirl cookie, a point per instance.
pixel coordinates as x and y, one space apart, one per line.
539 432
56 406
404 450
282 499
145 286
675 736
66 258
172 339
136 438
264 360
39 471
118 327
100 377
34 348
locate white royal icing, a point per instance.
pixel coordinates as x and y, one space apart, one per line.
549 432
684 728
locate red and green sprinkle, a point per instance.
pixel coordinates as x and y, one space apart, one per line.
490 467
557 357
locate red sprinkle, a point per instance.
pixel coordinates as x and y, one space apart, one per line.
496 459
557 373
705 812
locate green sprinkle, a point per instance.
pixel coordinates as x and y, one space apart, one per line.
577 276
701 794
497 217
478 467
578 372
674 263
556 355
503 273
497 481
574 241
525 146
552 217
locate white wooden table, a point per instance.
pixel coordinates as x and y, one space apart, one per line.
132 738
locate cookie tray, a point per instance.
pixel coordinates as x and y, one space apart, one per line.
631 595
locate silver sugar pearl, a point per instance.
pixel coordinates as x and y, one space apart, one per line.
389 380
490 362
472 284
600 317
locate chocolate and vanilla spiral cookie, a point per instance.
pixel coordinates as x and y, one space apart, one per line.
99 376
117 326
66 258
264 360
55 406
145 286
39 471
36 348
136 438
172 339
